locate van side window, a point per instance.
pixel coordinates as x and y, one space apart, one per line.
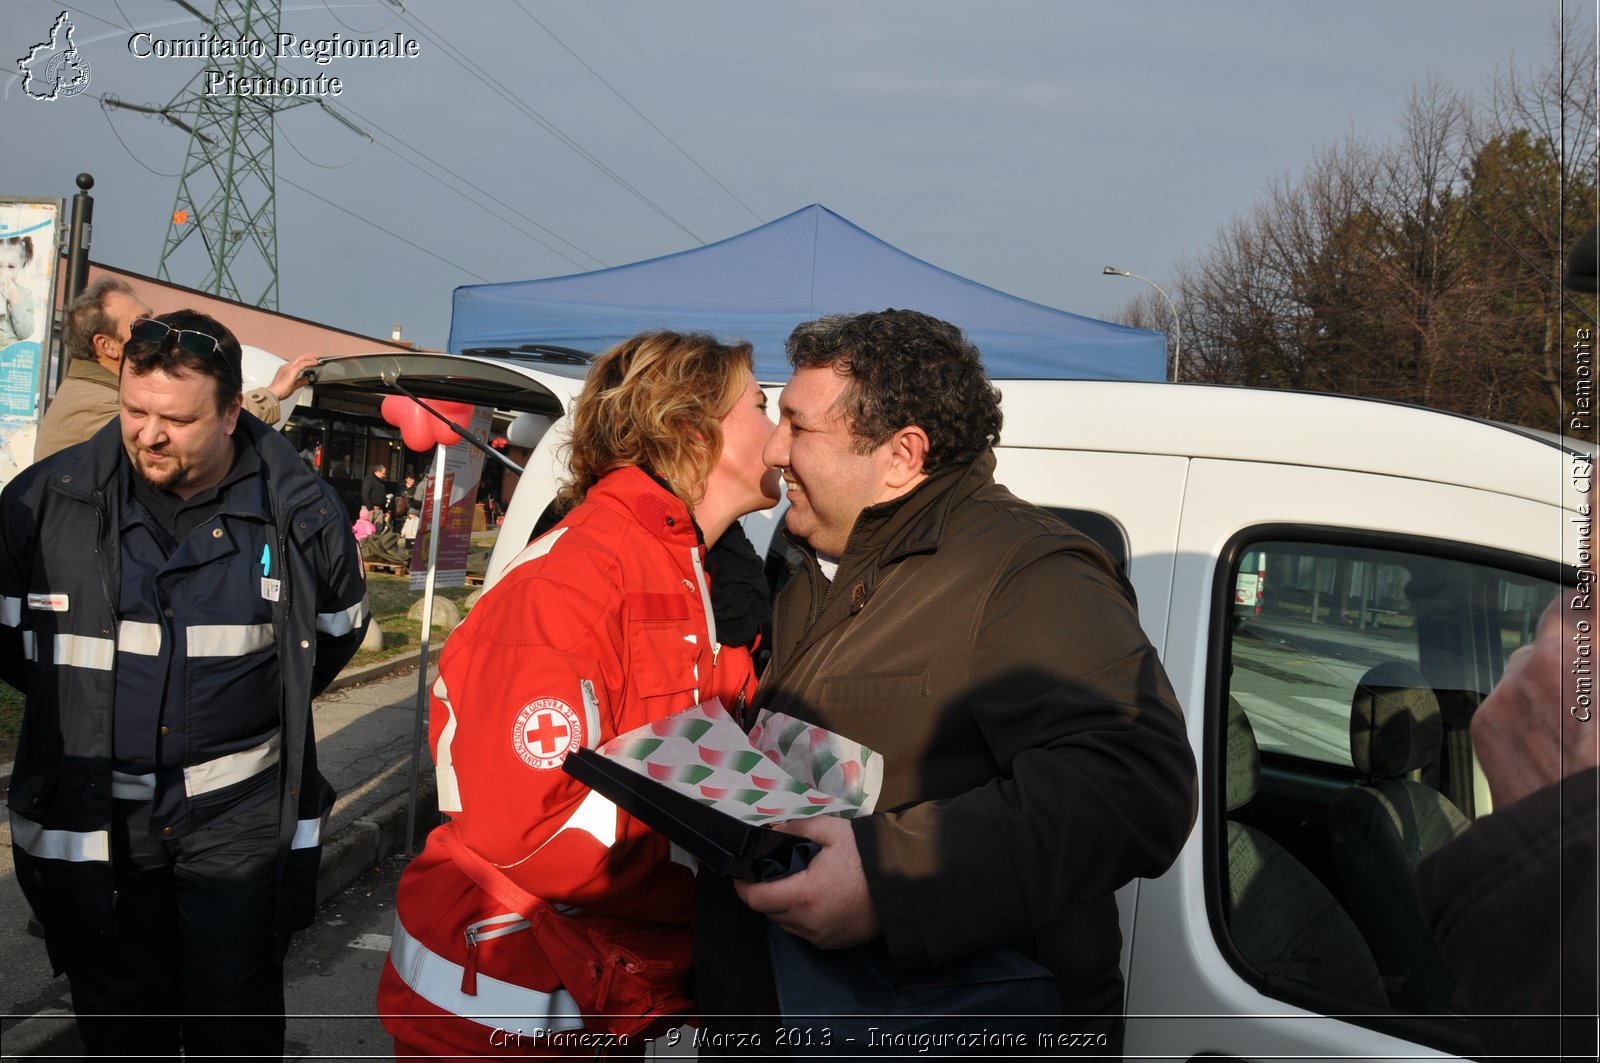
1099 527
1351 673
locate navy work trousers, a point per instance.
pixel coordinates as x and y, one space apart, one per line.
194 964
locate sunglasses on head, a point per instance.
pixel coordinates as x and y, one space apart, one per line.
147 330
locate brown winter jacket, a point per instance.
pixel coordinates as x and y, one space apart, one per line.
83 403
1035 756
1513 905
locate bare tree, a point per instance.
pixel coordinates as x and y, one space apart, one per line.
1400 269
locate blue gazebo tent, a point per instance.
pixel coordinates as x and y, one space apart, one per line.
759 284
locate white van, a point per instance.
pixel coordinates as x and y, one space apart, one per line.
1398 548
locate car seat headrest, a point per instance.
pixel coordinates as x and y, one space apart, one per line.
1395 723
1244 758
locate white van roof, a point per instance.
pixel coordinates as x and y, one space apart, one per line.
1286 428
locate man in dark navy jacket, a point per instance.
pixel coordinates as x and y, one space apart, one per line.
173 593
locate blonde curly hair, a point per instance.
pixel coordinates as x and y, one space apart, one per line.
656 400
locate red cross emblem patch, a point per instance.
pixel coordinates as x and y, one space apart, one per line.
547 730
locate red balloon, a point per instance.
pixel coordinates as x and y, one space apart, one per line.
423 428
419 428
459 412
394 407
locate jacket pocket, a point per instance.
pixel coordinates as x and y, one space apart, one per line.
662 651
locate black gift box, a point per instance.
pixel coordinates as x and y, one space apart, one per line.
722 844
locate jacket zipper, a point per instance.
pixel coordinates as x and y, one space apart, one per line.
475 932
98 500
705 602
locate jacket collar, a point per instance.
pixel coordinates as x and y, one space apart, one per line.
914 523
648 501
92 371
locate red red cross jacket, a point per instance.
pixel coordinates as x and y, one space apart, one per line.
600 626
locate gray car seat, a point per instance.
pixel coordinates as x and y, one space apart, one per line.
1281 917
1382 827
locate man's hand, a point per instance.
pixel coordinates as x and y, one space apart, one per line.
288 379
1525 733
827 904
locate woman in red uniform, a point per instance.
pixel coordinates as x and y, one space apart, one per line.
603 624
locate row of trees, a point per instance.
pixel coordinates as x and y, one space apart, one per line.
1424 268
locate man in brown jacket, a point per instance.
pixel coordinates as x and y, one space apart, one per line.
1035 757
98 323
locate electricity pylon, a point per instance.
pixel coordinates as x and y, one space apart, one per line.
225 209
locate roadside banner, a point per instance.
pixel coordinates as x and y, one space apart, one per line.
29 232
463 469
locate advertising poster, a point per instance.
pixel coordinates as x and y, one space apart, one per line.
463 468
28 238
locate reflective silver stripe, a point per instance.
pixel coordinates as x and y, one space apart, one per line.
445 783
225 771
30 646
81 651
344 621
536 549
308 833
10 611
596 816
497 1004
227 640
705 595
135 636
125 787
77 846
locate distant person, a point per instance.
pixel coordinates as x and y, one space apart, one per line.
1034 753
605 624
1514 901
399 509
193 587
363 527
16 300
375 493
97 325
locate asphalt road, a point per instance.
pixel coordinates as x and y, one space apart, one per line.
1296 681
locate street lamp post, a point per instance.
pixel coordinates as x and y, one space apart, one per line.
1177 326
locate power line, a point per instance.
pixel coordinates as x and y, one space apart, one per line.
279 130
380 228
410 160
102 100
506 94
642 116
787 195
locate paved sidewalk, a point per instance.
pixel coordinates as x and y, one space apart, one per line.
365 723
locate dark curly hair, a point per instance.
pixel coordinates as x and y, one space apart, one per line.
225 367
905 368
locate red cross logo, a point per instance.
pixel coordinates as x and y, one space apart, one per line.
547 730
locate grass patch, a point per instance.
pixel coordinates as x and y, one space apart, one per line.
390 597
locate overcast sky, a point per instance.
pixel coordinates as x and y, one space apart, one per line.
1022 143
